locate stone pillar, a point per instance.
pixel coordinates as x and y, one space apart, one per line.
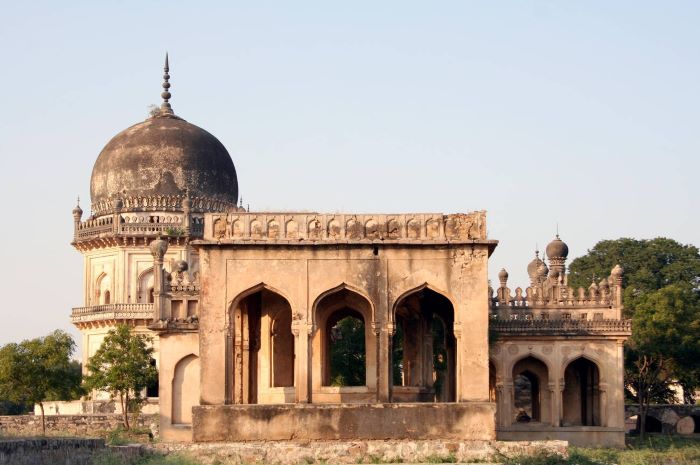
116 216
500 405
158 249
508 401
603 406
554 401
384 341
302 332
560 402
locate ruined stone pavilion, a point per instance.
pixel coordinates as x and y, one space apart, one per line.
245 309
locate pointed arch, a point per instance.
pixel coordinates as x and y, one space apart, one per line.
547 363
424 354
343 318
144 285
261 345
531 396
252 290
103 289
338 288
581 398
420 287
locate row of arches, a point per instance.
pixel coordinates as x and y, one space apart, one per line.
344 345
531 395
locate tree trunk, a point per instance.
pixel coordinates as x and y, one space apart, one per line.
126 412
43 419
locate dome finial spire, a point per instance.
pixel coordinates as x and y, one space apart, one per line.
165 107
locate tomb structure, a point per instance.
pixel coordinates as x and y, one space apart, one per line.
281 325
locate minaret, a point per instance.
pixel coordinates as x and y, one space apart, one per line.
557 251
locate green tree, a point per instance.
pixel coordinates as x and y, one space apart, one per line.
649 264
122 367
347 350
37 370
661 285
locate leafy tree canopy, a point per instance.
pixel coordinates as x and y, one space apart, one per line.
649 264
36 370
122 367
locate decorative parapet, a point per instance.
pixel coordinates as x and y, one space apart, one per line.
138 224
530 327
172 203
336 227
112 312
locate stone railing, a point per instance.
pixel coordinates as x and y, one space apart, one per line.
138 224
112 312
560 327
337 227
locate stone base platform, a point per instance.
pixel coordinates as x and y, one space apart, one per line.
456 421
353 452
583 436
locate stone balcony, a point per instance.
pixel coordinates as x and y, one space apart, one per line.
112 312
136 225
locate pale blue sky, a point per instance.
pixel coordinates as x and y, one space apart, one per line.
578 113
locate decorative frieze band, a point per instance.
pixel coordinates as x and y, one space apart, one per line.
316 227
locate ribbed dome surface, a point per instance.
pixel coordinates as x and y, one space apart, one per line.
163 157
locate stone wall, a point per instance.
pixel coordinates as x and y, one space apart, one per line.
350 452
455 421
49 451
70 425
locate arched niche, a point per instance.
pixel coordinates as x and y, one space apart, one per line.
144 286
262 345
531 396
581 395
424 347
103 289
185 389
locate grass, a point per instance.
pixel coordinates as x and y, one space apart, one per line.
655 450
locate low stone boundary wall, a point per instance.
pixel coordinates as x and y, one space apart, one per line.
350 452
70 425
49 451
460 421
670 419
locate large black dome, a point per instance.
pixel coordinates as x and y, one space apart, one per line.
154 164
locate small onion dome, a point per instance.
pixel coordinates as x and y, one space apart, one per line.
542 270
503 275
617 271
533 268
557 249
78 212
181 266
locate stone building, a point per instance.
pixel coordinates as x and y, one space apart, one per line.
247 309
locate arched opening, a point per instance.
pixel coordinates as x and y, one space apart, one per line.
185 389
581 396
106 298
152 388
263 347
347 361
341 346
151 296
424 348
492 382
531 399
